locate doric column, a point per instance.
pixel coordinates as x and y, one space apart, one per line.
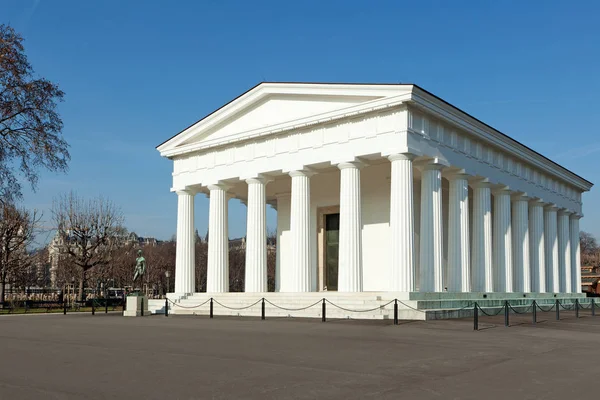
431 240
481 252
402 223
185 280
564 251
300 279
502 239
551 247
217 274
520 243
350 245
459 273
536 246
575 254
256 237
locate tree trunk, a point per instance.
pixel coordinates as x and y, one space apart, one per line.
81 286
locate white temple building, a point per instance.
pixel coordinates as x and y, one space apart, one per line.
378 188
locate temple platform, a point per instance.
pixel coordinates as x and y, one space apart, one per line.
362 305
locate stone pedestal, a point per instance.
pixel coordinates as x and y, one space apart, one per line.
135 306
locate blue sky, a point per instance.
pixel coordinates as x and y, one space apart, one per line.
137 72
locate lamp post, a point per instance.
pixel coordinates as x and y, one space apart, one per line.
168 275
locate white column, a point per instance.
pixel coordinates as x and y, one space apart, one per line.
575 254
350 245
537 246
402 223
502 238
481 252
459 274
256 237
520 243
431 240
564 251
185 280
300 277
217 273
551 246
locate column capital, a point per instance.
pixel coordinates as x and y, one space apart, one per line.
187 191
219 186
480 183
433 163
302 172
351 164
501 189
564 211
457 173
520 196
536 202
402 156
551 207
576 216
259 179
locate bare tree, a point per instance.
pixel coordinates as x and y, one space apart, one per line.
30 127
17 232
90 231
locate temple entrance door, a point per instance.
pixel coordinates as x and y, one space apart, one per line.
332 236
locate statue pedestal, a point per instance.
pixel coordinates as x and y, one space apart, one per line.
137 306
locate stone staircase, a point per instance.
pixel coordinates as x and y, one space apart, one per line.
364 305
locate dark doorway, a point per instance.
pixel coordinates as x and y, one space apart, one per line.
332 242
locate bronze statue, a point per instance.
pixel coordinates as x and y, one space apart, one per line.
140 267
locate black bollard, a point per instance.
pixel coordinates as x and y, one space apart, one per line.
534 313
64 307
557 310
262 309
506 313
475 318
166 307
211 307
323 317
593 308
105 306
93 309
142 311
576 308
396 312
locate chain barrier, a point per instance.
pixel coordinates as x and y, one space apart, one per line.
542 310
490 315
188 307
520 312
237 308
372 309
294 309
565 308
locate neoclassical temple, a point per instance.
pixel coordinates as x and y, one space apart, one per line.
382 188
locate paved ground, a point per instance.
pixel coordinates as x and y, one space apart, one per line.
109 356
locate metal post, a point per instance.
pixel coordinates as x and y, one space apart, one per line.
557 310
211 307
593 307
534 313
323 313
262 309
93 309
142 310
506 313
396 312
576 308
64 307
475 318
105 305
166 307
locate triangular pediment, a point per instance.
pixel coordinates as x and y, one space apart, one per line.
275 105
